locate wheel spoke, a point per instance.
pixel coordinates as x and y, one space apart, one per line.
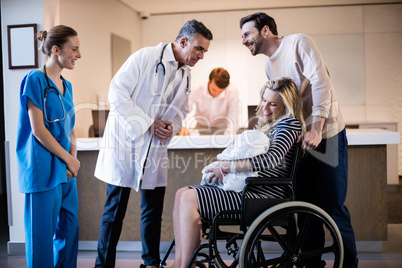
278 238
302 231
265 228
267 263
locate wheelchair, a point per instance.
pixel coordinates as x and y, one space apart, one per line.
265 232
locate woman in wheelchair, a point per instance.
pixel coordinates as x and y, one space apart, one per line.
280 118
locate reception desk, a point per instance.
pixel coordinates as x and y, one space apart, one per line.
366 197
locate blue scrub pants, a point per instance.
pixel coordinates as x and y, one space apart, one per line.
51 227
112 223
322 179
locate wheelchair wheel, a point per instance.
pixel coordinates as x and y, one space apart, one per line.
203 260
220 263
231 252
287 238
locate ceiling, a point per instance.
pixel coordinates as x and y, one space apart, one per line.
154 7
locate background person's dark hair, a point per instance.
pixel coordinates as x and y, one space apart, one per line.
193 27
57 36
260 20
221 77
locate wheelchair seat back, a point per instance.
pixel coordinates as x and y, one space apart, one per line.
253 207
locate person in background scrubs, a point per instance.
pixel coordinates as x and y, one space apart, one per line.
47 155
149 100
216 104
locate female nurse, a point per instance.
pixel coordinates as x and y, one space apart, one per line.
47 155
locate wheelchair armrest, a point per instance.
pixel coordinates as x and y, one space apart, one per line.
268 181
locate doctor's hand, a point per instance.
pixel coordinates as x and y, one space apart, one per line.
164 133
184 132
158 124
73 165
161 129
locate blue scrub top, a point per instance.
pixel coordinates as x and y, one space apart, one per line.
38 169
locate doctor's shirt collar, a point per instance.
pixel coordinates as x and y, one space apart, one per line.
169 57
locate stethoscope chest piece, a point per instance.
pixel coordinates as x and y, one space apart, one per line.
188 90
52 90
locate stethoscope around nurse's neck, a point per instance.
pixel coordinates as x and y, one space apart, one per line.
51 89
160 64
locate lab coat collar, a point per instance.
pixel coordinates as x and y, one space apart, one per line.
169 56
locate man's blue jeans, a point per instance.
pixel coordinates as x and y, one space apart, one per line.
322 179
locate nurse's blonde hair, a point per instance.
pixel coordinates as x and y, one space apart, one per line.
290 97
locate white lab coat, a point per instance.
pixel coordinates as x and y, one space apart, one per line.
134 107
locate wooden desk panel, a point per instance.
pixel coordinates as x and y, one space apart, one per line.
366 198
92 192
367 195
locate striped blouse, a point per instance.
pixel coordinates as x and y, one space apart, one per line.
274 163
277 161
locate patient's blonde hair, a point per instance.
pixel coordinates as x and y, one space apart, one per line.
291 98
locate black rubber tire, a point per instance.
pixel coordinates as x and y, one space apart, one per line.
291 255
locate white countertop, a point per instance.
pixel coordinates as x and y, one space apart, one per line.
371 136
355 137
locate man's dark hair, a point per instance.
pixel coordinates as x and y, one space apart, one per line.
193 27
260 20
221 77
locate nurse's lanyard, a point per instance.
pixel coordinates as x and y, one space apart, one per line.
51 89
160 64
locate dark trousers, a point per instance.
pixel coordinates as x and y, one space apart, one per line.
322 179
112 222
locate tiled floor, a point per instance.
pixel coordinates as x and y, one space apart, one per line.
390 257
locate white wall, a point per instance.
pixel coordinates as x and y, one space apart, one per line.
380 28
383 47
16 12
360 44
95 21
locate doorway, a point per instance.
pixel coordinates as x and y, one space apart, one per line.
4 230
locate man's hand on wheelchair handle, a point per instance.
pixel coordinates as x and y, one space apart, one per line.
313 137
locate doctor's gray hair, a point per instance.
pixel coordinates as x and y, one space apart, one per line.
193 27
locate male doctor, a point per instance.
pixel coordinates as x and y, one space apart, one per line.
149 99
